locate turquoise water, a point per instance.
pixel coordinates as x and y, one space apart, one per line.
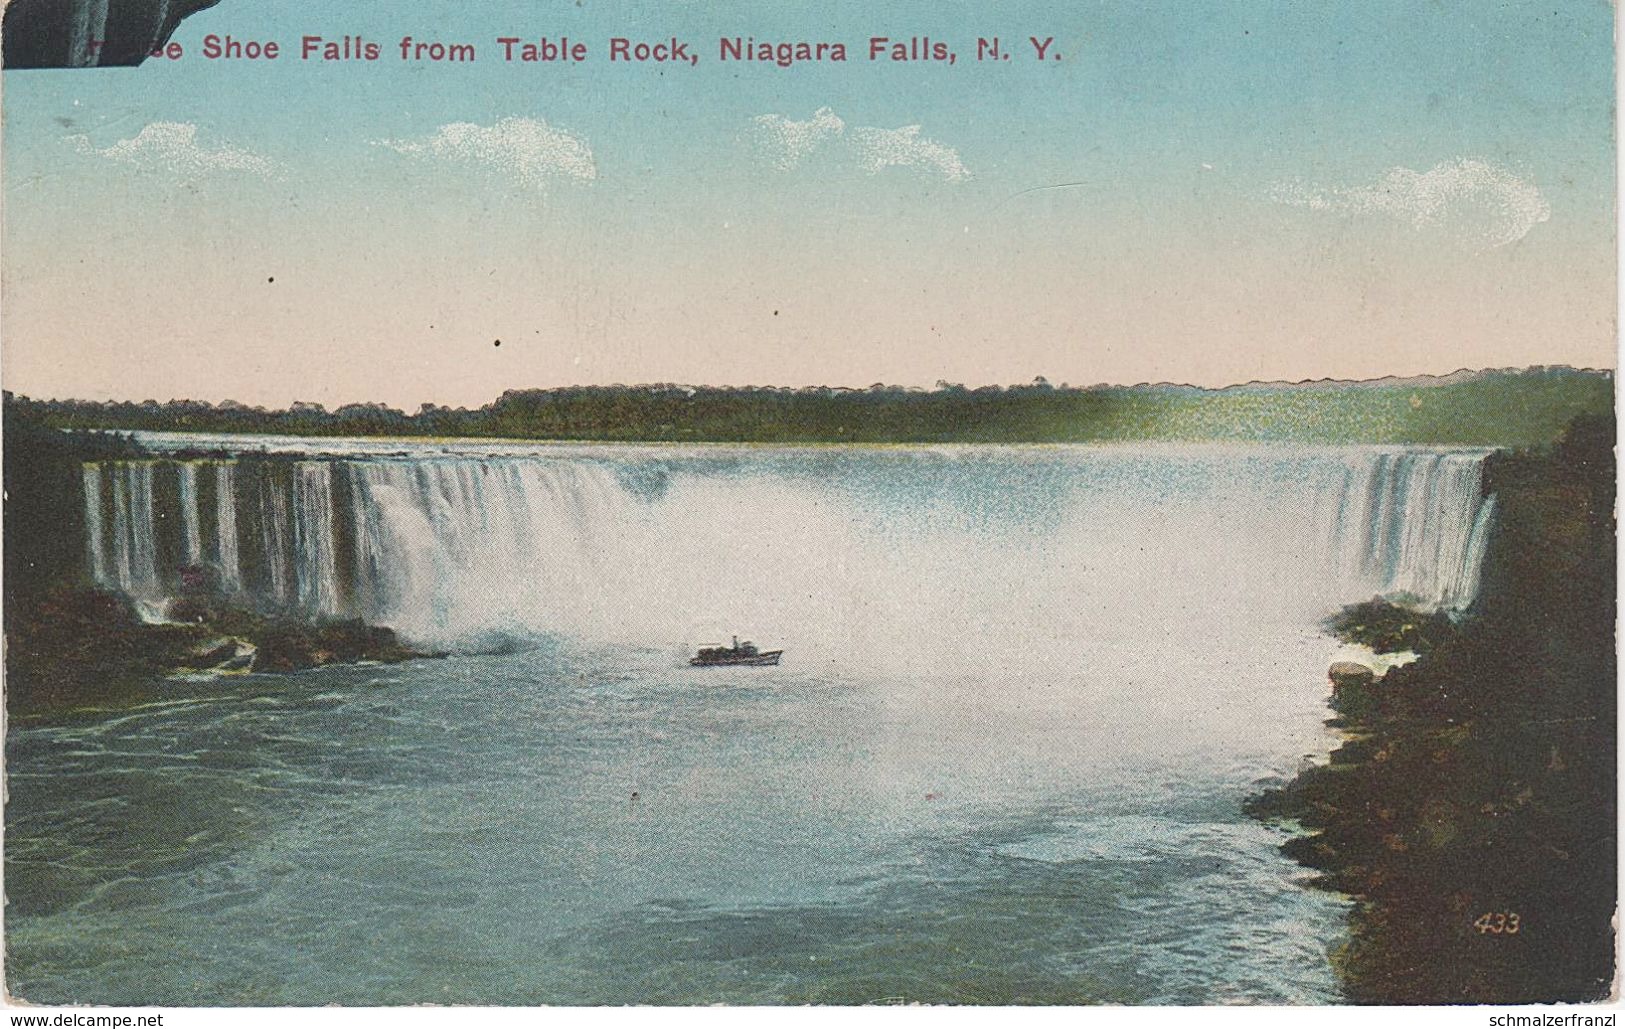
1023 697
583 828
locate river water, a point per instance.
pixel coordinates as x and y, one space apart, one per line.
1024 693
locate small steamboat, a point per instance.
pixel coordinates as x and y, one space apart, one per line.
739 654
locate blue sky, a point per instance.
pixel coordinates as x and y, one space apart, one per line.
1200 192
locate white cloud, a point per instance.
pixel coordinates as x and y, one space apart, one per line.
173 146
784 143
906 148
1477 203
530 152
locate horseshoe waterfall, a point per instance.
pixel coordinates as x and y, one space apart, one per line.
1011 675
460 545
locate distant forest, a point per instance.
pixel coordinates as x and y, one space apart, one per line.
1495 408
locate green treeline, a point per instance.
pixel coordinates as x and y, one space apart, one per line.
1507 408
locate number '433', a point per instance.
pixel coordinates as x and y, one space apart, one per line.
1497 923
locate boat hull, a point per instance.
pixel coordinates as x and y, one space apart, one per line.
757 660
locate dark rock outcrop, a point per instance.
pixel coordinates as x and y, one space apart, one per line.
1350 673
292 646
76 648
1472 810
89 33
221 654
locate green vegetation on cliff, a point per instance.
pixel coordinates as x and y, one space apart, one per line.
1472 810
1503 408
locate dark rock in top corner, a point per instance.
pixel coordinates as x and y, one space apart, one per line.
59 33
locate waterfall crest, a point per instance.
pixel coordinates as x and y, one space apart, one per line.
1414 524
443 546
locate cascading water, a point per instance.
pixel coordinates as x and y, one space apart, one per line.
315 573
225 523
133 545
1415 523
274 542
96 535
870 554
192 534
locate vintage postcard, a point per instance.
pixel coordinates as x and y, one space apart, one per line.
753 503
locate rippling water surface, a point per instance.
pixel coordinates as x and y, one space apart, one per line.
604 827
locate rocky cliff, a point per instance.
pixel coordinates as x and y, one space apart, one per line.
89 33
